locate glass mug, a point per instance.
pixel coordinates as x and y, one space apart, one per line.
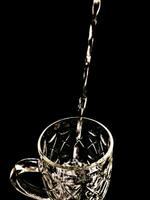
64 178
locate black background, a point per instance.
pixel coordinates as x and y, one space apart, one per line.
43 48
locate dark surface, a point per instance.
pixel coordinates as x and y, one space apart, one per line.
42 57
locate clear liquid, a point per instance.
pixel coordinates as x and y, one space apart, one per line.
83 98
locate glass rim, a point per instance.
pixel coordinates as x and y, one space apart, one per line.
53 164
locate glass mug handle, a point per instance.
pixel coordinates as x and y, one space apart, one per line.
27 165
